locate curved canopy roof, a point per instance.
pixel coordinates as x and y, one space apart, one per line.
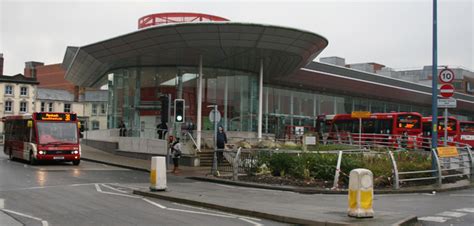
231 45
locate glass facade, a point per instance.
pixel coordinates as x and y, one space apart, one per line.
134 98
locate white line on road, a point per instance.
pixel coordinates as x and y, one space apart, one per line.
451 214
154 203
216 211
203 213
97 187
249 221
434 219
43 222
469 210
112 188
226 186
126 186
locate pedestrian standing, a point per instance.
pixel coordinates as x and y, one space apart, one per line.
123 129
221 141
176 155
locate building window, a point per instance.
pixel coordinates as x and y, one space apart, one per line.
23 107
95 125
67 107
23 91
8 90
102 109
8 106
94 109
50 107
43 104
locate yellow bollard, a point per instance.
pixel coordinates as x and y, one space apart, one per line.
158 174
361 193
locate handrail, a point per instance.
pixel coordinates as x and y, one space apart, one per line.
194 142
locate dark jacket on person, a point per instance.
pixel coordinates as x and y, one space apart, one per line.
221 140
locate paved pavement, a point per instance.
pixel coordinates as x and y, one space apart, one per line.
93 154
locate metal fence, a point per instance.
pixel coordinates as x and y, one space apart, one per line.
239 161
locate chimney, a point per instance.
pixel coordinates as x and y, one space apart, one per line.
30 68
1 64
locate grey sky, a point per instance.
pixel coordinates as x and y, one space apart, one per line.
395 33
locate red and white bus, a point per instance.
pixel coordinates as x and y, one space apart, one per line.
43 136
467 132
385 128
452 128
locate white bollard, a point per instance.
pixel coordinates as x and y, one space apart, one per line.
361 193
158 174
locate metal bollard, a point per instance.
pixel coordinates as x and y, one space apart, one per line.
158 174
361 193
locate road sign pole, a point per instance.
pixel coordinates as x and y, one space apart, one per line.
360 133
214 159
434 88
445 127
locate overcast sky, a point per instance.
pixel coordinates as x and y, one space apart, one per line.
396 33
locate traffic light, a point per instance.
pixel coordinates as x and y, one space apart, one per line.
179 110
164 109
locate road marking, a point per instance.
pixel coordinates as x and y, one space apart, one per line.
126 186
112 188
97 187
469 210
226 186
216 211
43 222
434 219
154 203
451 214
203 213
249 221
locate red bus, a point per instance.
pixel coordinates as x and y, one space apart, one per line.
383 127
467 132
452 128
43 136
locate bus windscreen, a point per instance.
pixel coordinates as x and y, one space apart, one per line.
408 122
53 132
467 127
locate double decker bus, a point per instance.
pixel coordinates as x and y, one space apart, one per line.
43 136
467 132
382 128
452 128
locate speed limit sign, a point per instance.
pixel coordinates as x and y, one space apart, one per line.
446 75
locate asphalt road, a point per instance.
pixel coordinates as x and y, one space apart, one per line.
93 194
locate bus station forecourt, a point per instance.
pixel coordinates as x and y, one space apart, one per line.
264 84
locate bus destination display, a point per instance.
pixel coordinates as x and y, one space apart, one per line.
56 116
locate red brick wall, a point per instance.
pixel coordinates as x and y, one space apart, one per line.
52 77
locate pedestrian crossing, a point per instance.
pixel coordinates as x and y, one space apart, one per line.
448 215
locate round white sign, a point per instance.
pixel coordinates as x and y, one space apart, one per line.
217 116
446 75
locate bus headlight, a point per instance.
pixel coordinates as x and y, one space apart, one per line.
75 152
41 152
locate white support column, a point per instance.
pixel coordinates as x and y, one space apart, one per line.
226 97
260 101
199 106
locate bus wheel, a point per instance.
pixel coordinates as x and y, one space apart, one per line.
76 162
32 159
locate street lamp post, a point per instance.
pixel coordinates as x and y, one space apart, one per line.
214 159
434 88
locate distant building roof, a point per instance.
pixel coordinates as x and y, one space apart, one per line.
19 78
54 94
96 95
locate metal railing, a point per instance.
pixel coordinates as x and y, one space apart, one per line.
245 161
